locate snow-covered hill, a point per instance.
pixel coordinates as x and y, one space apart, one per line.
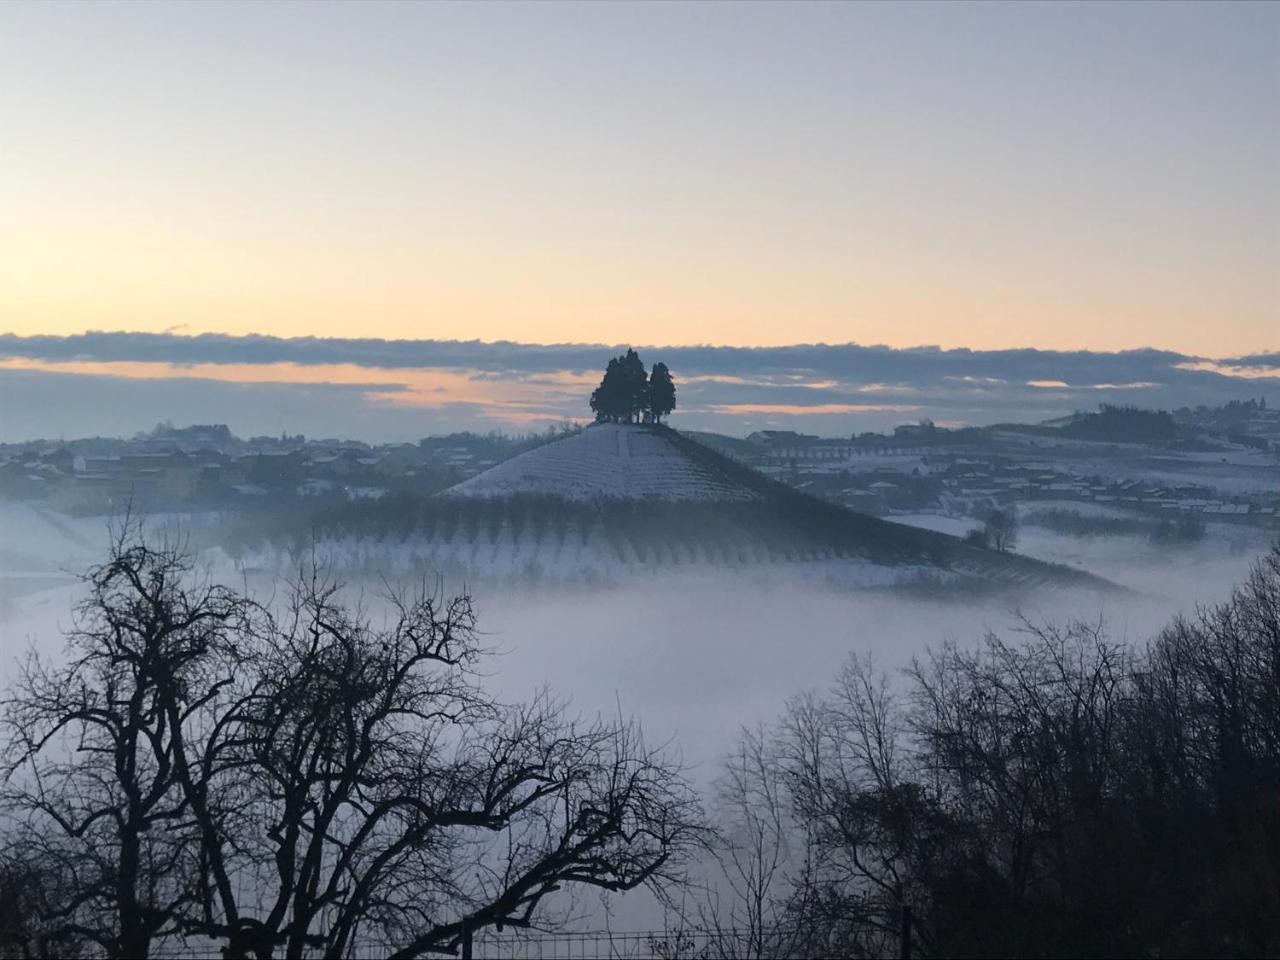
606 461
615 502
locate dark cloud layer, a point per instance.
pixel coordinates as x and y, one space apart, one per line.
835 389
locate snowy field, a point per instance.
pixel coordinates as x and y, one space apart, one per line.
571 562
605 460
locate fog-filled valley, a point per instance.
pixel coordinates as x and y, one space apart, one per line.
639 481
695 654
721 618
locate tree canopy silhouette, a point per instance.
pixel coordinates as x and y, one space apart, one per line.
300 781
627 394
662 392
1057 794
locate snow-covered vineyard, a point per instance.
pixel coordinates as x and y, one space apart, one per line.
617 502
608 460
596 556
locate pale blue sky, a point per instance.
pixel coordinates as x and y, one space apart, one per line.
1062 176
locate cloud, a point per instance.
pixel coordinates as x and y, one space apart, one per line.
405 389
1252 369
798 410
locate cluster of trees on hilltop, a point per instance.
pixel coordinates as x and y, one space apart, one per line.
628 394
1123 425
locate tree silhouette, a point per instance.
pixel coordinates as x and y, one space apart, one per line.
300 782
662 392
623 394
607 400
629 395
1001 530
636 381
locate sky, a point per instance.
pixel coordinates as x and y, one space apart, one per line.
1065 177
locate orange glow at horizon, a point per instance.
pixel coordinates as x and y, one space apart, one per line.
424 387
514 400
971 175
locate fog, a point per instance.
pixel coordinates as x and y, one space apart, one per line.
697 664
694 660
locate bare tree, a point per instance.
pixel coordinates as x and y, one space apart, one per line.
809 853
310 784
1023 742
33 890
91 745
759 848
1001 530
843 768
1058 793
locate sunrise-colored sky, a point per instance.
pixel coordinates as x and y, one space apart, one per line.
1059 176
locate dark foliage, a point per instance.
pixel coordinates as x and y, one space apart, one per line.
627 394
1164 531
623 392
1001 530
662 392
1073 523
34 892
1124 425
1063 795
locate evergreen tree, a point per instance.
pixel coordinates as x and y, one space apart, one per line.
609 399
627 394
636 385
662 392
623 394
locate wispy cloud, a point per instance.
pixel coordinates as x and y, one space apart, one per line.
798 410
1235 368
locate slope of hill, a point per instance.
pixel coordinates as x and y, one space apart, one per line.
606 461
615 502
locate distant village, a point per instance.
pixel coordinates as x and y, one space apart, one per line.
1216 463
1226 462
208 467
904 474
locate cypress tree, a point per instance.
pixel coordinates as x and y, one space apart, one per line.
662 392
628 394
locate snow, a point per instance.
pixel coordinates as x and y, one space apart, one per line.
609 462
937 522
574 560
35 539
623 461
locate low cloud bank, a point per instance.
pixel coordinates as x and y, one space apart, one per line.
113 383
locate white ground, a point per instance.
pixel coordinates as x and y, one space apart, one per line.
605 460
573 562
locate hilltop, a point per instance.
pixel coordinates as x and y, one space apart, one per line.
608 461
